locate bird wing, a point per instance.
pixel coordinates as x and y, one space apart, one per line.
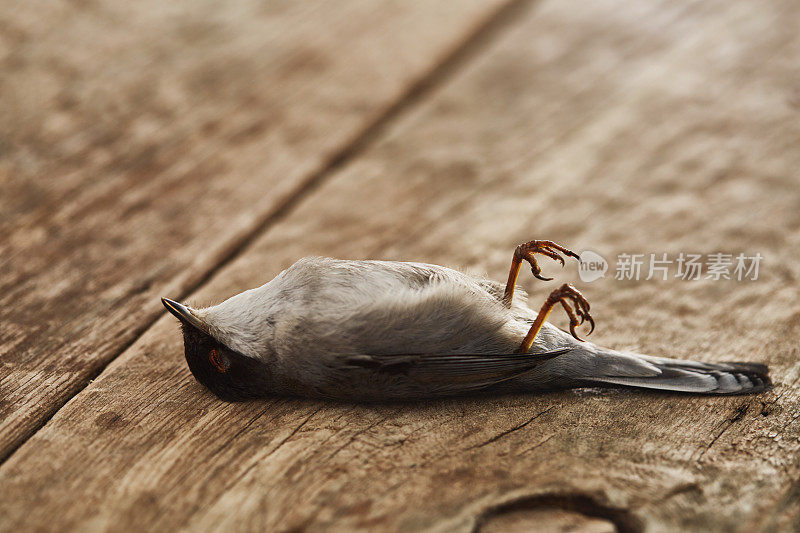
454 373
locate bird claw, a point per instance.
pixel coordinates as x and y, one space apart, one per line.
538 274
580 314
568 296
528 251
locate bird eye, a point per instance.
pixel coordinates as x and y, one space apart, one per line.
217 360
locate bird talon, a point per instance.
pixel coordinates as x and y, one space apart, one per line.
572 330
564 295
580 314
591 323
549 249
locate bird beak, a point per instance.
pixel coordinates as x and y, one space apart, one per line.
184 314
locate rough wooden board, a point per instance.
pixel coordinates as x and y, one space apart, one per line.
547 520
143 142
636 128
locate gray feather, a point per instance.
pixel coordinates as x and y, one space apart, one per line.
453 374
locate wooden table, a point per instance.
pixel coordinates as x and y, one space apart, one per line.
190 150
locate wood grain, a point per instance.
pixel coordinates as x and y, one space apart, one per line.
143 143
642 128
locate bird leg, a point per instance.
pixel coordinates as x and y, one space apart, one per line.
527 251
577 316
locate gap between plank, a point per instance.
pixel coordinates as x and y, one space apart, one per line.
477 39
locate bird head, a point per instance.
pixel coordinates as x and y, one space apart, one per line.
228 373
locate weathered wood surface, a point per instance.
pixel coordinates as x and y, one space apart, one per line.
647 127
143 143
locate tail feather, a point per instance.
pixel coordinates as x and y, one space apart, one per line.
691 376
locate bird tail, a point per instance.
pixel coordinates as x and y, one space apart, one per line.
634 370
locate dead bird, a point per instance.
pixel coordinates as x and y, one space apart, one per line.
389 330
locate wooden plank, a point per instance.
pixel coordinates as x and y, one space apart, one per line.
646 127
144 143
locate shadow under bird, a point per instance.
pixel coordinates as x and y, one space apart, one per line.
388 330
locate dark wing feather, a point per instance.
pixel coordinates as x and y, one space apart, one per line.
449 373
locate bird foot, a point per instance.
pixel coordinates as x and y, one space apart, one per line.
578 312
564 295
528 251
